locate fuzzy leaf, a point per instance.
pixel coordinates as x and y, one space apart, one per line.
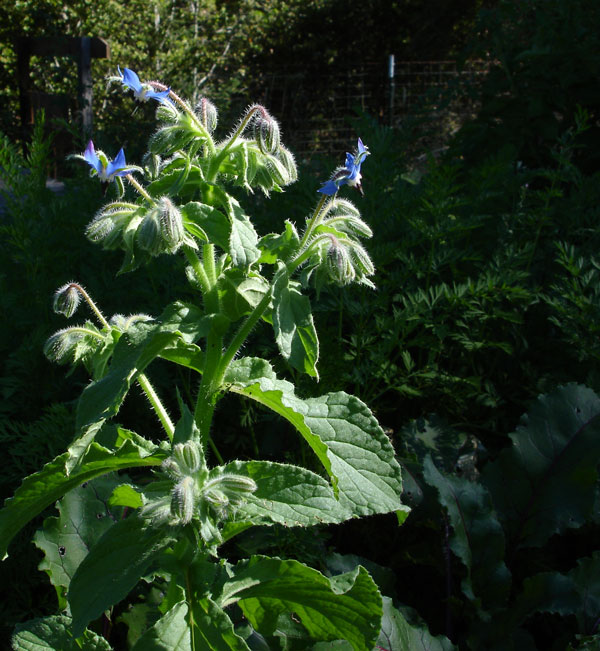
54 633
65 540
113 567
552 466
342 432
207 223
244 240
287 495
345 607
294 327
43 488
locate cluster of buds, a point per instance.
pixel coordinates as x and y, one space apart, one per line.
155 229
197 494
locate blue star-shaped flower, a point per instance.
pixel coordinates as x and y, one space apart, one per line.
142 92
348 175
105 169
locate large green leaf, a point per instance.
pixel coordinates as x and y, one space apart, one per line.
113 567
294 327
287 495
84 515
53 633
341 430
545 482
478 539
43 488
345 607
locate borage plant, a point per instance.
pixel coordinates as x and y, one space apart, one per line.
167 526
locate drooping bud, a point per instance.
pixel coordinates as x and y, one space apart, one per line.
361 260
287 159
149 235
208 114
265 131
171 224
171 468
72 344
338 262
123 323
67 299
183 500
237 483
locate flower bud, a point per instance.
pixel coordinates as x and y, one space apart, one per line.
207 113
286 158
67 299
60 347
188 457
183 500
237 483
149 235
266 131
171 224
361 260
217 499
171 468
338 263
99 228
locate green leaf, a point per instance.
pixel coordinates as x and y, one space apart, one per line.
342 432
545 482
294 327
345 607
54 633
43 488
478 539
208 223
243 241
397 634
65 540
279 246
287 495
240 292
170 633
113 567
214 630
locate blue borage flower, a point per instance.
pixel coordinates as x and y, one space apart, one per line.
105 169
348 175
142 92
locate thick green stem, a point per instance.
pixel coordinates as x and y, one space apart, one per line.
157 405
199 270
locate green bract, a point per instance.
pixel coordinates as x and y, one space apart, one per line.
168 526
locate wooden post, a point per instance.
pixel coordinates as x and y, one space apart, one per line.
84 66
83 49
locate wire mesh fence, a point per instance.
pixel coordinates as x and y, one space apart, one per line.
316 105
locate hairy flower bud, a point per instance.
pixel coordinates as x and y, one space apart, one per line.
149 235
338 263
171 224
237 483
183 500
188 457
67 299
265 130
208 114
99 228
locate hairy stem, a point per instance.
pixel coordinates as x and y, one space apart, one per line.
157 405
